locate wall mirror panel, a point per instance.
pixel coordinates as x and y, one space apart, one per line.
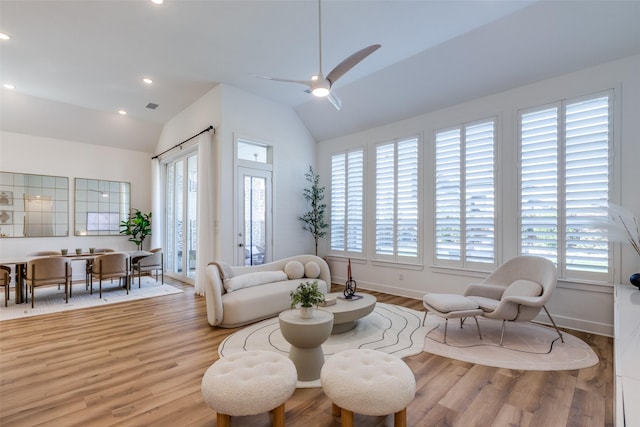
100 206
33 205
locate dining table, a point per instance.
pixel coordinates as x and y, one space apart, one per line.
20 267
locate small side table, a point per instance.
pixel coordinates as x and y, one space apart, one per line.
306 337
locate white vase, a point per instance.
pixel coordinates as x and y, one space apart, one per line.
306 312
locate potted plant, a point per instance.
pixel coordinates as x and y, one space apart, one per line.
313 220
307 296
138 226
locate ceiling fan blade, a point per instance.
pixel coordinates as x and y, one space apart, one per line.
275 79
351 62
334 100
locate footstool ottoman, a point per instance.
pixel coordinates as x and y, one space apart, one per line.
451 306
368 382
249 383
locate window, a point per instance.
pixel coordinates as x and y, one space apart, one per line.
465 194
347 201
564 177
397 189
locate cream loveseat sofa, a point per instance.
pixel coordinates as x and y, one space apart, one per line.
236 296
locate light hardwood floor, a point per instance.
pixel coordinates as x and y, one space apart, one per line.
140 363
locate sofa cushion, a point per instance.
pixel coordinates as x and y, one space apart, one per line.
523 288
224 269
312 270
253 279
294 270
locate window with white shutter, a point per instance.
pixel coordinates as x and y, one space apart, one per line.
564 178
397 194
347 202
465 194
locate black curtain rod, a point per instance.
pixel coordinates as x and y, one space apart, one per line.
185 141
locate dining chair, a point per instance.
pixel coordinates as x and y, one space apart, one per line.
5 281
110 266
48 271
151 263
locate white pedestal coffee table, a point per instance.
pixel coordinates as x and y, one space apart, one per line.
306 337
347 312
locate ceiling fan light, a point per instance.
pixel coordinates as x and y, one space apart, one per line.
320 92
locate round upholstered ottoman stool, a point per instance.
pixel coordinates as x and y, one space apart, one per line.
368 382
249 383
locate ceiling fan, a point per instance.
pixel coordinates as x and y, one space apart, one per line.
319 85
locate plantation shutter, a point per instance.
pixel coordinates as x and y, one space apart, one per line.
347 201
338 201
539 183
385 199
397 199
586 182
407 192
479 193
448 196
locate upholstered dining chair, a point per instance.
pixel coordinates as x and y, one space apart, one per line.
151 263
48 271
113 265
516 291
5 282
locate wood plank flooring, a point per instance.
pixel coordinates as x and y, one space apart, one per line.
140 363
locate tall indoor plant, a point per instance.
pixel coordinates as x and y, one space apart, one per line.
313 220
138 226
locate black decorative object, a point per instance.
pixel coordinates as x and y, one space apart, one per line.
350 285
634 279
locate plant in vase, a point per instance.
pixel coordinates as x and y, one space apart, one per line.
138 226
308 296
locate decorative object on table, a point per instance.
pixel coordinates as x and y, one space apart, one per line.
308 296
622 226
313 221
92 250
329 301
350 285
138 226
64 251
78 251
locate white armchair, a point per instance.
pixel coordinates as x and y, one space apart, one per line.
516 291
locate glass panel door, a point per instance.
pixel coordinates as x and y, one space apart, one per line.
181 227
254 235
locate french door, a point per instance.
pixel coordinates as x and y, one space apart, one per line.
181 216
254 222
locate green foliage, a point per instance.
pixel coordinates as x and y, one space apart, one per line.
307 295
313 220
138 226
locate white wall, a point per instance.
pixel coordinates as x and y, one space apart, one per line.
234 112
577 305
47 156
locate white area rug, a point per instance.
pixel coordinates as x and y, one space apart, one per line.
389 328
51 300
527 346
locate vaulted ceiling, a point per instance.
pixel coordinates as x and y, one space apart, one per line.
76 63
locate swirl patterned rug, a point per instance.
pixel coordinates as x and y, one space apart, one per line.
397 330
389 328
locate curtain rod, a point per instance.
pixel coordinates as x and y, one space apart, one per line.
185 141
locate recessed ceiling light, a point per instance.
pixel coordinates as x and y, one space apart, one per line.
157 1
4 36
147 80
8 86
122 112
